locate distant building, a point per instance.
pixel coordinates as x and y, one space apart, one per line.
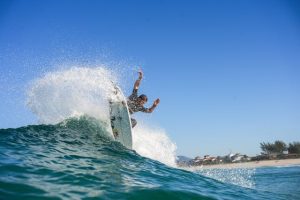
210 160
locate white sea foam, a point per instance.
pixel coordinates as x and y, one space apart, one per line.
78 91
154 143
69 93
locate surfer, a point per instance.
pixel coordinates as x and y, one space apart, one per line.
136 103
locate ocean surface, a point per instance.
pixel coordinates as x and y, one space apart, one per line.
70 152
75 159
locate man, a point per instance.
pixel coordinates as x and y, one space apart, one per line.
136 103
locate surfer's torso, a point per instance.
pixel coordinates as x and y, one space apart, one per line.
133 104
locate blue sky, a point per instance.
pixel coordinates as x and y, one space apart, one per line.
227 72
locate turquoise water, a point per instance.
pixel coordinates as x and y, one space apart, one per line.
75 160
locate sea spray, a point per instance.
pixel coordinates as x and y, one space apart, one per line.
154 143
63 94
237 176
83 91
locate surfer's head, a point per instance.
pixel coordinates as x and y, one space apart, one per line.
142 99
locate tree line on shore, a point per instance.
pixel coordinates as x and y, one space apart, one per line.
270 151
279 147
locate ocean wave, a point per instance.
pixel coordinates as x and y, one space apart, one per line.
76 159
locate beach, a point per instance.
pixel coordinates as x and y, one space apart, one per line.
254 164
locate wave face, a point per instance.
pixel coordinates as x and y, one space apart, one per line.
76 159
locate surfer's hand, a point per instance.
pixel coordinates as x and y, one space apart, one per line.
140 74
156 102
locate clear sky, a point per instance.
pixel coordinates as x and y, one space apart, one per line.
227 72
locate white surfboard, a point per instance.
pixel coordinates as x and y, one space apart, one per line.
120 119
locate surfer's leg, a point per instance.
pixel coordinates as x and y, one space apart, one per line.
133 122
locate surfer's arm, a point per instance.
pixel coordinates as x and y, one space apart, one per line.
137 82
151 109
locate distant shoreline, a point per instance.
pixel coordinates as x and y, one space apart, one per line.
252 164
